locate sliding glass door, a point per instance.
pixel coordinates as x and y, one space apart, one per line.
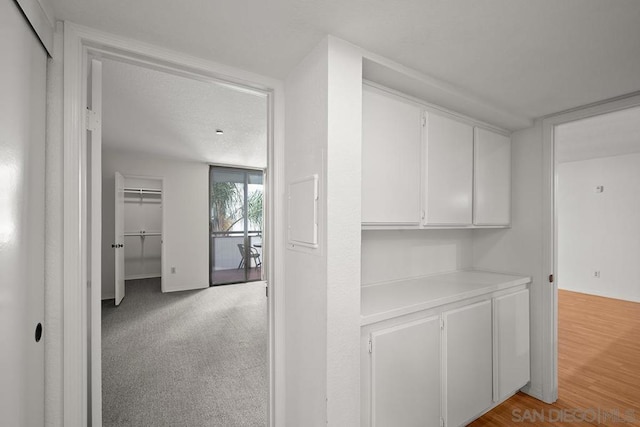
236 216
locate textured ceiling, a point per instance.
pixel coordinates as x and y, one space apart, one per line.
155 112
611 134
531 57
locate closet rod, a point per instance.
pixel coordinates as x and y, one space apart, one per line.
143 190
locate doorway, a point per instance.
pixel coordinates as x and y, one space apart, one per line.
236 217
81 284
154 352
137 246
556 161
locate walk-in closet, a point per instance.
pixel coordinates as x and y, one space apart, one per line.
142 228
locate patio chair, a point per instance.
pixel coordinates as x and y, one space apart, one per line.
253 254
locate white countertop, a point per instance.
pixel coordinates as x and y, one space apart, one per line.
386 300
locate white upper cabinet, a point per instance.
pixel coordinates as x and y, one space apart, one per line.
391 147
492 180
426 169
448 171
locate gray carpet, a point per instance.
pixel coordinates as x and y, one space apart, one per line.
192 358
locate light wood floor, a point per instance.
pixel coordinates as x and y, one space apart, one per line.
598 367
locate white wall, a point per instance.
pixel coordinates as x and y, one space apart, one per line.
599 231
401 254
519 248
344 170
323 136
306 273
186 223
22 219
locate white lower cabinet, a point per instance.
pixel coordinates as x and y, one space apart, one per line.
446 368
511 343
405 374
468 374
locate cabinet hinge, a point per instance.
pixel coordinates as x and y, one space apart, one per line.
370 346
551 278
424 120
441 422
266 291
441 323
93 121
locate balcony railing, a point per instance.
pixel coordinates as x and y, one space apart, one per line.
226 257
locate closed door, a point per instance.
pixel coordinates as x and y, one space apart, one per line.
22 220
405 375
449 171
467 363
512 358
391 140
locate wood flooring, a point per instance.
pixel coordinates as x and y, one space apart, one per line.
598 369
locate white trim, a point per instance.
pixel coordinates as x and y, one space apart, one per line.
40 20
549 392
78 42
94 235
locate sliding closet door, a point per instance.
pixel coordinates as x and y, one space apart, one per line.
22 220
235 225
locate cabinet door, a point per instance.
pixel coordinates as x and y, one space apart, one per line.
391 140
511 343
405 375
492 178
467 363
449 171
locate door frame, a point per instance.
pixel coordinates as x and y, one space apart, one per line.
550 232
79 44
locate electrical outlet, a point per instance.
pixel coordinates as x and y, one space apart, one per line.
596 274
173 270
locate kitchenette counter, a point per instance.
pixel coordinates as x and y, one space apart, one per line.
382 301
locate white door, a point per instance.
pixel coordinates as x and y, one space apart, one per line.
391 140
448 171
492 178
118 245
94 223
22 220
405 375
467 363
511 361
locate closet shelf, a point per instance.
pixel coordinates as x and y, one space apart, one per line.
143 233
